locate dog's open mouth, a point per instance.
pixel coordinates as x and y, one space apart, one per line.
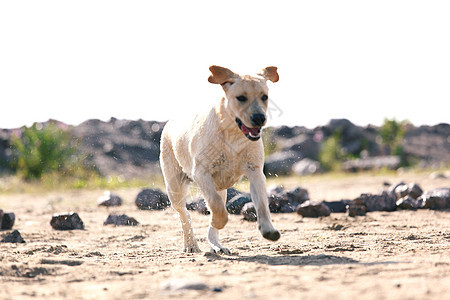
252 134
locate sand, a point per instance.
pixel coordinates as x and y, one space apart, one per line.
383 255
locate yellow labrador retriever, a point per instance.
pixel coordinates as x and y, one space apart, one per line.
215 149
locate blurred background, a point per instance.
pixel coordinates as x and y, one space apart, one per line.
86 86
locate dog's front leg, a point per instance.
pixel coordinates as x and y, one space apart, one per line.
219 215
259 198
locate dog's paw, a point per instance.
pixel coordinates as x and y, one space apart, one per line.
191 249
272 235
220 250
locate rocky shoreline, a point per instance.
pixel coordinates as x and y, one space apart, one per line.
131 148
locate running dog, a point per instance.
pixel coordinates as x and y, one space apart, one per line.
215 149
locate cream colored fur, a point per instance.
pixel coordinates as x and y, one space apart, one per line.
212 150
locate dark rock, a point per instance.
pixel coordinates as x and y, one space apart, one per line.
297 195
13 237
152 199
339 206
282 201
249 212
313 210
288 208
109 199
306 166
231 193
7 220
392 190
276 202
436 199
120 147
120 220
383 202
67 222
304 144
191 205
408 202
414 190
354 210
235 205
280 163
202 207
401 190
433 202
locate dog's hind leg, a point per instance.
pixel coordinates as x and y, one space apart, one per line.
177 185
177 196
213 233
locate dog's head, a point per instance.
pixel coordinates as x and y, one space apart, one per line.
246 97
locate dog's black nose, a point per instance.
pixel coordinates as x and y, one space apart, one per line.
258 119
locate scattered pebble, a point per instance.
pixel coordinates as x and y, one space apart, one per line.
7 220
382 202
109 199
354 210
68 221
13 237
152 199
249 212
120 220
235 204
313 210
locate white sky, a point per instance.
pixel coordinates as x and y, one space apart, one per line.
361 60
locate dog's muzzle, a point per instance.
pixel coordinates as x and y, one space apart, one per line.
252 134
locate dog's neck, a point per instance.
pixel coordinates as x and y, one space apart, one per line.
227 122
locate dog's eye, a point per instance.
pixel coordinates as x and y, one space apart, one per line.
264 97
241 98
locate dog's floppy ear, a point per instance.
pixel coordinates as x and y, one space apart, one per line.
270 73
221 75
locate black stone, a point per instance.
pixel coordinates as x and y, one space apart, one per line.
313 210
13 237
235 205
152 199
337 206
7 220
69 221
354 210
249 212
120 220
109 199
383 202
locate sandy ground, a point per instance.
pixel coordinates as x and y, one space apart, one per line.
397 255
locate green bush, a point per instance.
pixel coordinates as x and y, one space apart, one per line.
391 133
331 153
44 149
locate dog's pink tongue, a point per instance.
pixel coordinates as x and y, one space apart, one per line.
254 131
245 129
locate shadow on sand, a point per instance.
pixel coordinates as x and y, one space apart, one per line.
286 259
295 260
